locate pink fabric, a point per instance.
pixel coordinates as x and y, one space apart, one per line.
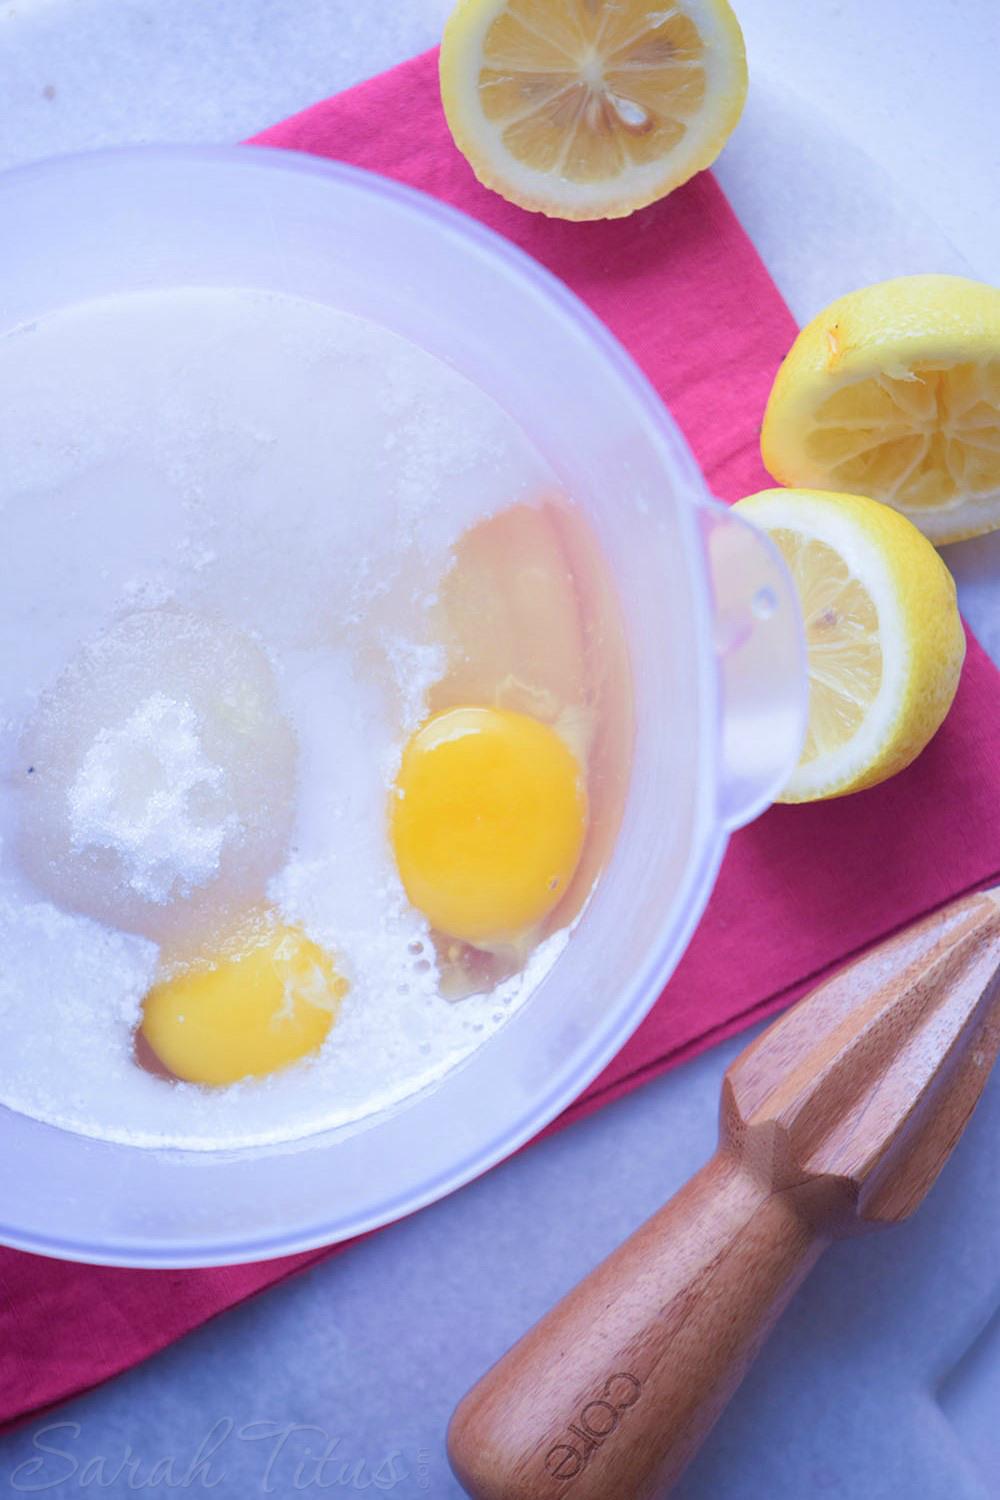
800 890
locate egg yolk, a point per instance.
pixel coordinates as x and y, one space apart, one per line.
487 822
265 1001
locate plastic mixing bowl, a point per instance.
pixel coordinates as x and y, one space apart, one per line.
713 634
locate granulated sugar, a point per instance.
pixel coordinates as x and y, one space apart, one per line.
164 780
135 794
227 514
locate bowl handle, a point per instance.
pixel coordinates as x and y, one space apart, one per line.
760 648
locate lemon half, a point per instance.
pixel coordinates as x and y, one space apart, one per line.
884 638
590 109
894 392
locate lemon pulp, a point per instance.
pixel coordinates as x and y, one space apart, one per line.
921 440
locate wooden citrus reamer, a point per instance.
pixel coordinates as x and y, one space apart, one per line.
836 1120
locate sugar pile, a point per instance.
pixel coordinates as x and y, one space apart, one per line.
227 514
163 785
135 792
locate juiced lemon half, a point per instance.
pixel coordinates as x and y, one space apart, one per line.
884 638
590 109
894 392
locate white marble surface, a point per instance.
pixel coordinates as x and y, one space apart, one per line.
868 149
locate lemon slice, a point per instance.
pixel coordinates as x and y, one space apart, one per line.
884 638
894 392
590 109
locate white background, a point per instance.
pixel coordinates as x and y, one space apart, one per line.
869 148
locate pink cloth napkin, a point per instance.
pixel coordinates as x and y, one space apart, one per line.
800 891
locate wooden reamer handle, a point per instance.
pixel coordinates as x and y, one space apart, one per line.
610 1394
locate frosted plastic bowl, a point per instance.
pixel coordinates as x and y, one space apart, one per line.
713 633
